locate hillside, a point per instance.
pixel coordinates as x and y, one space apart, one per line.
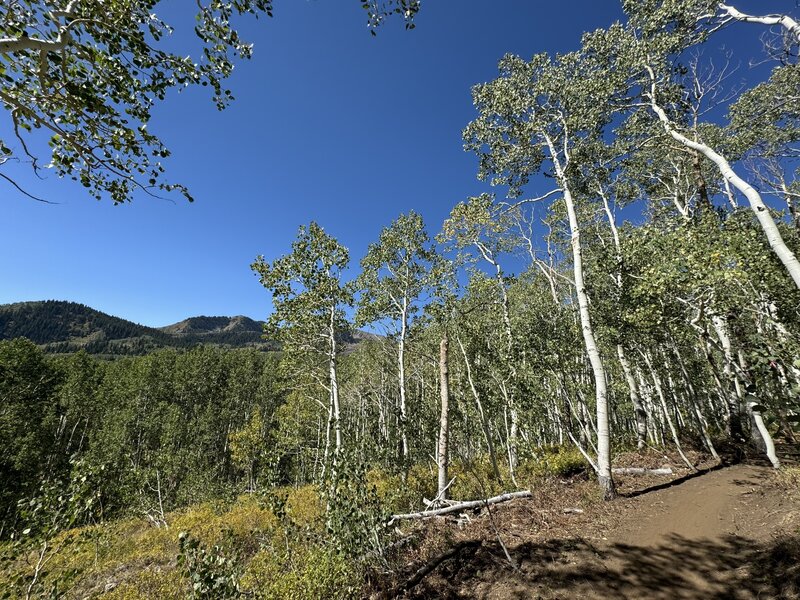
59 326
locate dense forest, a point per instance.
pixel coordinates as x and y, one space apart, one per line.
62 327
649 298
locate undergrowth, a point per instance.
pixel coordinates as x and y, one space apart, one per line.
280 544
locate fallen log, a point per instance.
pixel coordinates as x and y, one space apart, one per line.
459 506
641 471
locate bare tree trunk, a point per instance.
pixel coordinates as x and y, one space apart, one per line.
334 385
484 423
665 408
401 375
444 428
767 445
701 422
638 407
763 439
601 393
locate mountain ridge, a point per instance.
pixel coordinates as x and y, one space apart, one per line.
61 326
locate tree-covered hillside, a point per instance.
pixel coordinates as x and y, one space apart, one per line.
62 327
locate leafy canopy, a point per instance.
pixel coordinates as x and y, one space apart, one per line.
89 73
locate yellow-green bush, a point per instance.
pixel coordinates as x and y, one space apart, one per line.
398 494
149 584
475 478
553 461
305 574
304 506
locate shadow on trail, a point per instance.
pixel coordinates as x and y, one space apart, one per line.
673 482
754 479
731 569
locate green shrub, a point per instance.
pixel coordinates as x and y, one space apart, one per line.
554 461
213 573
308 573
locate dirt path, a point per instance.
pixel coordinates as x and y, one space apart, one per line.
717 536
705 507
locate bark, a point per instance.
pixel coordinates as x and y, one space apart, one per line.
598 370
460 506
641 471
701 422
401 376
665 408
334 382
444 429
774 237
63 37
638 408
484 423
507 359
789 24
761 427
760 434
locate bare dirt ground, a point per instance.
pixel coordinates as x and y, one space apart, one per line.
731 533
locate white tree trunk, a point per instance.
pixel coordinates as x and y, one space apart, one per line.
638 408
760 209
487 435
401 376
444 427
721 327
334 383
665 408
598 370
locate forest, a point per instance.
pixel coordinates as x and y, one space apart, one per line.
645 300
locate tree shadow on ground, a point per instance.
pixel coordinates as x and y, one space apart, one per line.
732 569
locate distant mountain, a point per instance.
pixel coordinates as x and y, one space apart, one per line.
60 327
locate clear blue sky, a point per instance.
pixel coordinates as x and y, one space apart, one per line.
329 124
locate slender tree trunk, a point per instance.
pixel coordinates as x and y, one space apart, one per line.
334 383
774 237
665 409
401 376
484 423
766 443
598 370
701 422
444 427
760 434
638 408
510 370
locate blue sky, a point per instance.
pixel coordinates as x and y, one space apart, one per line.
329 124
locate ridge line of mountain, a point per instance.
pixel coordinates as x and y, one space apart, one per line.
61 326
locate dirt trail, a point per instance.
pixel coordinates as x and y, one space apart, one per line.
705 507
698 539
717 536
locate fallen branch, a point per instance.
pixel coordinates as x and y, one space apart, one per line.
461 506
420 573
641 471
